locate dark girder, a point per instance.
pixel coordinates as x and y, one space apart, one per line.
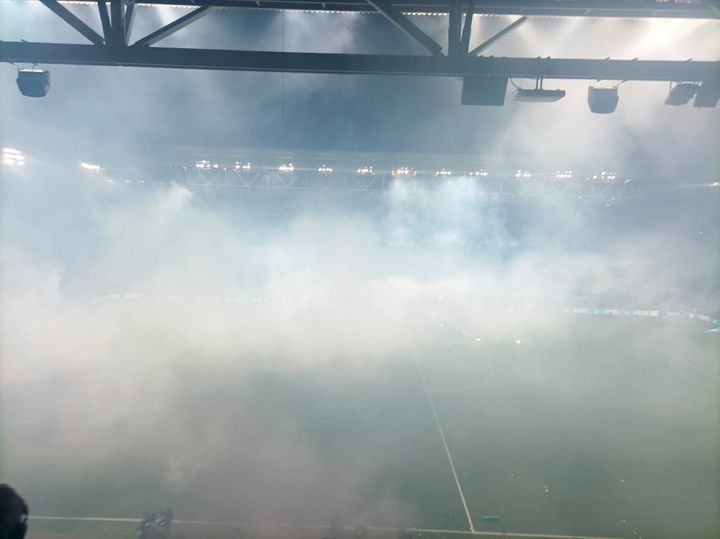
104 19
70 18
359 64
703 9
386 8
492 39
173 27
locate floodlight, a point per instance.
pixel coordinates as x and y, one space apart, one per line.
602 100
606 176
90 167
681 93
12 157
538 95
403 171
33 82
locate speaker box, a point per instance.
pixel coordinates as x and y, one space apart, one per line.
603 100
489 91
33 82
707 95
681 94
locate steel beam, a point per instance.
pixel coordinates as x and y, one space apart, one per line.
104 19
173 27
359 64
488 42
467 27
454 23
702 9
129 19
70 18
396 17
117 23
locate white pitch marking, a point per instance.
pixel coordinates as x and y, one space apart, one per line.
686 377
326 526
86 519
703 371
674 360
445 444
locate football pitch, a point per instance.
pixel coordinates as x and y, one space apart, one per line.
607 427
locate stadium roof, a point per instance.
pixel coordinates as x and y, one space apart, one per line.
695 9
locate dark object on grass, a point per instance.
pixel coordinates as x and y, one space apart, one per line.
156 525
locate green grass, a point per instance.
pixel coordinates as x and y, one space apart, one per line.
593 410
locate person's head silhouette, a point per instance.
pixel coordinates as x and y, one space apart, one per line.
13 514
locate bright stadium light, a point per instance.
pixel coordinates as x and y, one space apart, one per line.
12 157
365 170
481 173
239 165
90 167
286 167
205 164
324 169
443 172
403 171
564 174
607 176
523 174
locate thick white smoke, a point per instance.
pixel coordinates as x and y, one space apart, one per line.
147 334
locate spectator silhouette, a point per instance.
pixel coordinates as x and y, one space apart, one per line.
13 514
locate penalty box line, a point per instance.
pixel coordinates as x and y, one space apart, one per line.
438 424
